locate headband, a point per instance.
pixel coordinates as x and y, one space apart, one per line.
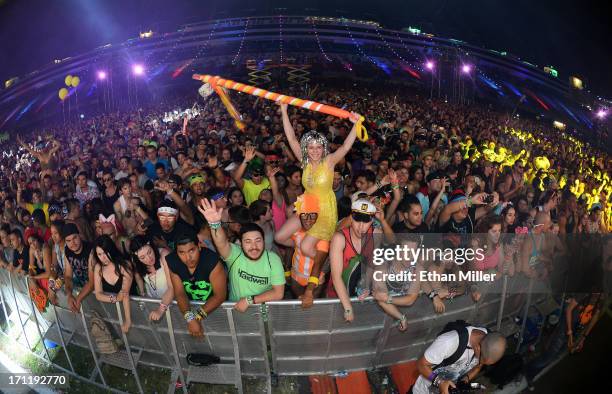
168 210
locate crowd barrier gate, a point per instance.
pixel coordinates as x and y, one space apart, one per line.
293 340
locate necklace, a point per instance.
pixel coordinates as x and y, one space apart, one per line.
153 282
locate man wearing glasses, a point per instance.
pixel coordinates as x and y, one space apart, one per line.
306 275
258 182
255 275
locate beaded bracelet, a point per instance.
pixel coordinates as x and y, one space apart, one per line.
214 225
112 298
189 316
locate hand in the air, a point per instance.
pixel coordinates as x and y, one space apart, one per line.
209 211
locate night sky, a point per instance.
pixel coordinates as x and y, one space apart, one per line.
573 36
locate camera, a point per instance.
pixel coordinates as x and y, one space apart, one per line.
465 388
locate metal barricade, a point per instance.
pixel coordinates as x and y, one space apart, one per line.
301 342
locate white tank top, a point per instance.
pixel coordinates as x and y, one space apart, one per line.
156 285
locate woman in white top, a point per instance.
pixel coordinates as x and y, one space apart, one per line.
58 258
151 263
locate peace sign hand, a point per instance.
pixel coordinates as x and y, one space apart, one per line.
209 211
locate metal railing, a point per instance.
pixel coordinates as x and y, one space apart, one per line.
301 342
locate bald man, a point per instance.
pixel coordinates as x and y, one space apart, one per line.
482 348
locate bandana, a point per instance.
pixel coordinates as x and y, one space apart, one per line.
168 210
195 179
217 196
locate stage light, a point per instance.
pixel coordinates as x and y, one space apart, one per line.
466 69
101 75
429 65
602 113
559 125
138 69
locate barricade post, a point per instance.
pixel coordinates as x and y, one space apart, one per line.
18 312
175 350
500 312
128 350
525 314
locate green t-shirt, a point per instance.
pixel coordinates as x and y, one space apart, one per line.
251 278
251 191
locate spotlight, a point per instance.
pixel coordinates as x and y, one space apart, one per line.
466 68
138 69
429 65
601 113
101 75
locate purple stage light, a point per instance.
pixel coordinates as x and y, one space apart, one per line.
101 75
429 65
602 113
466 68
138 69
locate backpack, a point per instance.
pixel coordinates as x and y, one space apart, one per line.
102 335
461 327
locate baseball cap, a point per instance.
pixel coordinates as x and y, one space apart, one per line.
69 229
434 175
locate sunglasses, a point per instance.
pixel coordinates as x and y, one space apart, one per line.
309 216
107 179
257 174
361 217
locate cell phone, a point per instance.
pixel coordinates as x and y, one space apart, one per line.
488 199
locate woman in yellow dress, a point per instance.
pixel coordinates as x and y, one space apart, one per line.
317 177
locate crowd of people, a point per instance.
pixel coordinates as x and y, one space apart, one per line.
126 204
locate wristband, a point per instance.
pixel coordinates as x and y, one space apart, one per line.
201 313
314 280
189 316
395 186
163 307
348 312
287 274
468 202
432 295
112 298
214 225
389 300
401 319
250 300
432 376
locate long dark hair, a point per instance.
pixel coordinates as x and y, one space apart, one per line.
137 243
105 243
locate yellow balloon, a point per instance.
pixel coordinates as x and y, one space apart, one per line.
68 80
63 92
75 81
541 163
